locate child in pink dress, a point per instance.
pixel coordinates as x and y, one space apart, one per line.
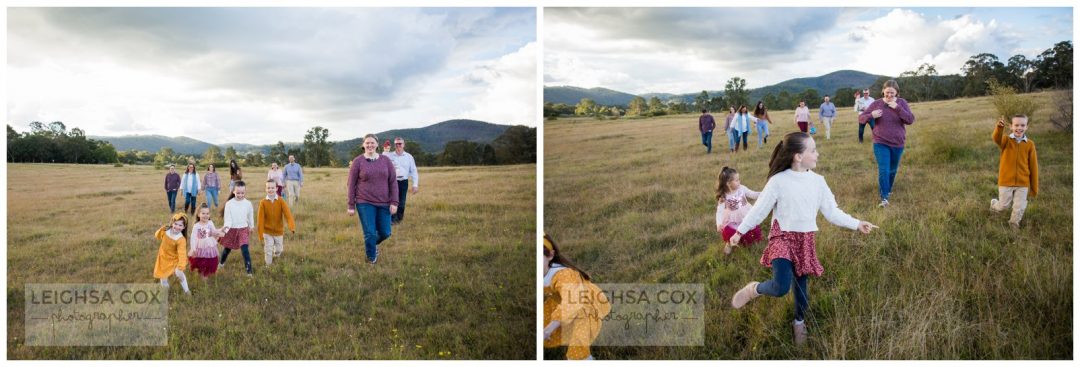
732 206
203 253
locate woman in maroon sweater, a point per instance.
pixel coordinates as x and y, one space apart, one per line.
373 194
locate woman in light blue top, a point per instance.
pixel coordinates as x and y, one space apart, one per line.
740 128
189 186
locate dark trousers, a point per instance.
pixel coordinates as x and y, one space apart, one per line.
706 140
403 191
778 286
189 202
172 201
863 127
243 251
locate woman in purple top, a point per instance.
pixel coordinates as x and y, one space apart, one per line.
373 194
172 185
891 116
211 184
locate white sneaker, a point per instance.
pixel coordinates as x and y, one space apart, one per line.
993 205
884 203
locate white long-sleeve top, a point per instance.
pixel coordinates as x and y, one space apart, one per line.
795 199
239 214
742 122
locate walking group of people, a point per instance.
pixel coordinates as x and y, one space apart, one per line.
377 187
794 194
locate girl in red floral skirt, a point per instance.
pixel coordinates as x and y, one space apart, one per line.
732 206
794 195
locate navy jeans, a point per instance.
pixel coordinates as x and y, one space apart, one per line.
706 140
375 221
243 251
172 201
888 161
862 127
189 202
783 273
403 190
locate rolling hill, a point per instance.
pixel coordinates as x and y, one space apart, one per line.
431 138
824 84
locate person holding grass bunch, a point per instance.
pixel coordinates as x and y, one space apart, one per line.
1018 169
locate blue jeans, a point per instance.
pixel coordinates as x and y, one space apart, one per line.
211 194
375 221
762 132
888 161
706 140
783 273
190 199
403 190
733 139
172 201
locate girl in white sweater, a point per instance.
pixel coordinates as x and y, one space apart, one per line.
797 194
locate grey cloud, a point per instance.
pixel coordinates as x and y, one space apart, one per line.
323 60
717 31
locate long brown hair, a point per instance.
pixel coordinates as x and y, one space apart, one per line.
558 257
784 153
725 176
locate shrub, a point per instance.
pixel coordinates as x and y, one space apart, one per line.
1063 117
1008 103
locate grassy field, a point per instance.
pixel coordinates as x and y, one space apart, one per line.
455 281
944 277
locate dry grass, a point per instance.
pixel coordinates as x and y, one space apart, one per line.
944 278
453 282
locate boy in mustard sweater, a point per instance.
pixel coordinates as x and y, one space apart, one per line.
1018 171
269 222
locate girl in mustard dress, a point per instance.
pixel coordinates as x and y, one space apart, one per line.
569 322
172 254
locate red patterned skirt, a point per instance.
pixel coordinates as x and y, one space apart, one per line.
748 238
206 266
798 247
235 238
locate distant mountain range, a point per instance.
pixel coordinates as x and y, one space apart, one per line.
825 84
431 138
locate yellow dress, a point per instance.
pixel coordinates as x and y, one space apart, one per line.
172 254
580 321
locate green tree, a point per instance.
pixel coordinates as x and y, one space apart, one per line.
656 106
587 107
978 71
1055 66
230 154
164 157
317 147
213 155
770 101
810 95
278 154
638 107
702 100
1022 72
735 92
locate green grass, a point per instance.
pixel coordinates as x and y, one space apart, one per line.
455 280
944 277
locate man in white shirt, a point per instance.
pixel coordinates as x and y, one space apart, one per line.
861 104
405 166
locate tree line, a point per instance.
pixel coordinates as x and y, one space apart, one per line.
53 143
1051 69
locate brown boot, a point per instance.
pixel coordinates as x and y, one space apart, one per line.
744 295
800 333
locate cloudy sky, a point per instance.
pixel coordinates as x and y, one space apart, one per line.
259 75
683 50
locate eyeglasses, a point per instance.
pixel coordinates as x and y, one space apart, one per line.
399 144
